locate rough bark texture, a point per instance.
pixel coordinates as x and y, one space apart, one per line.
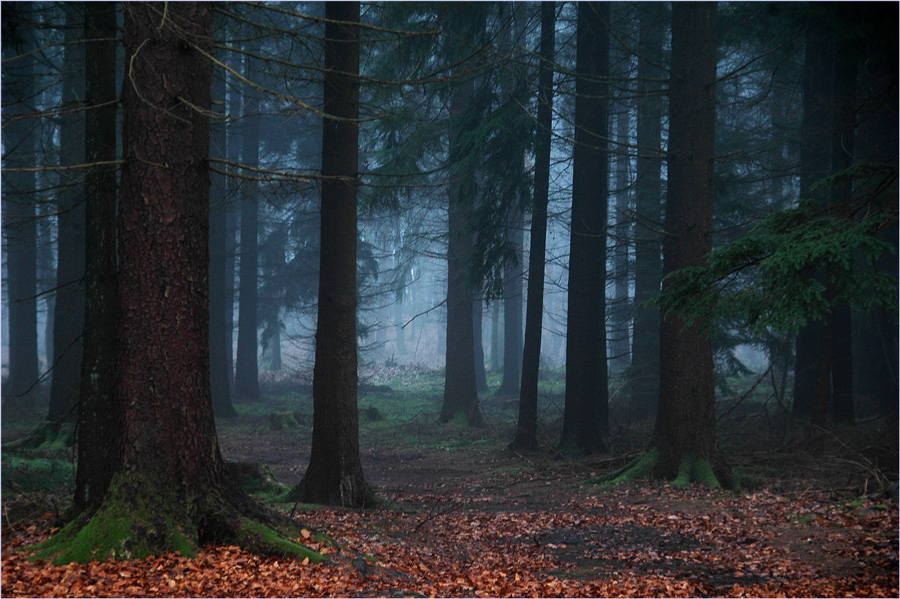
587 395
461 403
170 490
644 372
246 365
68 307
97 420
335 475
685 421
526 430
19 223
815 163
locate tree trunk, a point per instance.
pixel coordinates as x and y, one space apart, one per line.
644 372
815 163
19 223
98 419
512 314
233 151
246 376
170 490
685 434
219 367
477 334
461 403
526 429
68 315
335 475
587 394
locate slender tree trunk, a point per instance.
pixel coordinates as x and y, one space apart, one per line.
334 475
233 151
477 333
219 364
587 394
815 163
246 376
98 413
644 372
526 430
18 217
68 315
685 434
512 314
461 401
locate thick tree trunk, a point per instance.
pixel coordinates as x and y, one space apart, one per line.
19 223
246 375
219 352
644 372
68 315
170 490
335 475
98 410
587 395
526 430
461 403
685 435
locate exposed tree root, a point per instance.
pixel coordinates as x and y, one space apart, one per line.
646 467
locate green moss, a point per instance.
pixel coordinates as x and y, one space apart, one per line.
640 468
261 539
23 472
693 469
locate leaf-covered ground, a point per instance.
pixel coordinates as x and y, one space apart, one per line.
466 517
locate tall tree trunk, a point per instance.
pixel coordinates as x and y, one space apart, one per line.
170 490
233 153
815 163
219 364
644 372
526 429
843 144
334 475
19 223
68 316
461 401
98 421
587 395
512 313
246 376
478 334
685 433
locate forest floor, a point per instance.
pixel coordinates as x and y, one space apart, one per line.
465 516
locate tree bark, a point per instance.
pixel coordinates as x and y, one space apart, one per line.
335 475
684 435
98 410
512 314
587 395
526 429
68 315
644 372
19 223
170 490
477 334
246 375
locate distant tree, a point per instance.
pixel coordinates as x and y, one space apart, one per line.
512 311
98 422
170 490
68 317
644 372
246 367
526 429
334 475
477 334
19 223
587 395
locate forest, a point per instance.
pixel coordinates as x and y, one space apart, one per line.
450 299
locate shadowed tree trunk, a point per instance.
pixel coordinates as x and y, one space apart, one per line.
461 401
644 372
19 223
586 381
68 315
97 413
246 375
526 429
170 490
335 475
512 314
684 435
478 334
